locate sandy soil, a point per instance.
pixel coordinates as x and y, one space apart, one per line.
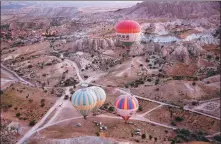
181 69
146 105
116 129
26 101
192 121
177 92
26 50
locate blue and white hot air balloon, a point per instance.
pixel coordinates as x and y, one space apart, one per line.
84 100
101 96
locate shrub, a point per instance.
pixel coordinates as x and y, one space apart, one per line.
173 123
32 123
140 108
85 76
30 100
42 105
97 133
217 58
173 141
111 108
212 123
66 97
149 80
185 132
209 56
179 119
194 103
10 105
211 73
18 114
217 138
155 139
157 81
15 108
157 89
150 137
194 83
143 136
105 106
42 100
29 66
195 78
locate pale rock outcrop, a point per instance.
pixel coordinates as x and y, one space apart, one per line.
136 50
180 53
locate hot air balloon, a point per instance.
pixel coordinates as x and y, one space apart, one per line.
84 100
126 106
128 31
101 96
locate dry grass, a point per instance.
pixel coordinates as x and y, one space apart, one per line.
117 129
192 121
182 69
146 105
26 101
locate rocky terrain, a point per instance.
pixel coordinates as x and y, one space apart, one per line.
182 10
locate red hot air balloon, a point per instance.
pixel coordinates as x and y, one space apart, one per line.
126 106
128 31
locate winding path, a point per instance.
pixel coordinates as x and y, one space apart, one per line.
16 75
39 123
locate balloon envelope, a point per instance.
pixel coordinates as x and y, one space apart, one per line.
100 94
84 100
128 31
126 106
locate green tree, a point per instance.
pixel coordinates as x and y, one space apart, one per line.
150 137
18 114
143 136
140 108
217 138
32 123
179 119
111 108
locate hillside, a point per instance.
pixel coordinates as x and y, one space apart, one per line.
171 9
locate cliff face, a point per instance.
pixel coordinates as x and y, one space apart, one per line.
94 44
171 9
